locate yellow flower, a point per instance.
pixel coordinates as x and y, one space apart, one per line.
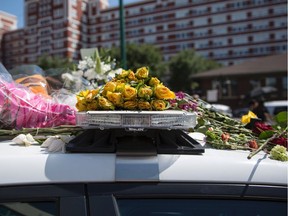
91 95
142 73
115 98
105 104
144 105
159 104
124 74
129 93
93 105
130 105
109 86
247 118
81 106
145 92
154 81
162 92
120 85
82 94
131 76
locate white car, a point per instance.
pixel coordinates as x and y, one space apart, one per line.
275 107
139 172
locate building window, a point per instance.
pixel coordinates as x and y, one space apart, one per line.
58 12
284 82
270 81
57 2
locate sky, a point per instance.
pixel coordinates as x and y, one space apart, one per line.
16 7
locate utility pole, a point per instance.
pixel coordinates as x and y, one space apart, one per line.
122 35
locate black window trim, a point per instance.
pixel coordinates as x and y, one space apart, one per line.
90 199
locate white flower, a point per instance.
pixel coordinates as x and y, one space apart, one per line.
105 67
48 141
56 146
90 74
56 143
23 139
90 63
67 77
112 73
92 70
78 73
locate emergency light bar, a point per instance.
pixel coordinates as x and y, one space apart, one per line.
168 119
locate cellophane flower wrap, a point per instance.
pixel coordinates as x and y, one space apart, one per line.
21 108
128 90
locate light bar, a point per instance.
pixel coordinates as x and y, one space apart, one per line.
168 119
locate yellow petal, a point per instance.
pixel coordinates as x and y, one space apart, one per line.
252 115
247 118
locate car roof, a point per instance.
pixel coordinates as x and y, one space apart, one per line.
21 165
276 103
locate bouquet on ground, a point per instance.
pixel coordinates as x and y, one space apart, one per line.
128 90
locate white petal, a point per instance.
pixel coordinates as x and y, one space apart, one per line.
56 146
30 138
27 142
19 139
66 138
48 141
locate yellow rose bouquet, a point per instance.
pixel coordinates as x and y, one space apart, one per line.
129 90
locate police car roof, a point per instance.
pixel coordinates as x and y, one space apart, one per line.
33 165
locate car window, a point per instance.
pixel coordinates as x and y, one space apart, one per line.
48 208
279 109
200 207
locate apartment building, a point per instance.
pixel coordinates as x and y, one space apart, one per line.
8 22
229 32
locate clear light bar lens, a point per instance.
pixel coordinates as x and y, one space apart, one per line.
137 119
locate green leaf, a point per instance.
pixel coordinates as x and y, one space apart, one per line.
98 65
281 119
266 134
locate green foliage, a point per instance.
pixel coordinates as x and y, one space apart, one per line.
142 55
281 119
48 62
183 65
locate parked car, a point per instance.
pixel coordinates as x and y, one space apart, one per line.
273 107
225 109
221 108
118 171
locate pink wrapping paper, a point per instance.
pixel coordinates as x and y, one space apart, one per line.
20 108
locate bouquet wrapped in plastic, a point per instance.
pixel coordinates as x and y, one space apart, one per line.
21 108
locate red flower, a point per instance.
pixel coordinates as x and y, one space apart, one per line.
260 127
280 141
253 144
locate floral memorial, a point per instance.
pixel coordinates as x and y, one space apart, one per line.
99 86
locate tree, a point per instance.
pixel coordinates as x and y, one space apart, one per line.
142 55
183 65
52 62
